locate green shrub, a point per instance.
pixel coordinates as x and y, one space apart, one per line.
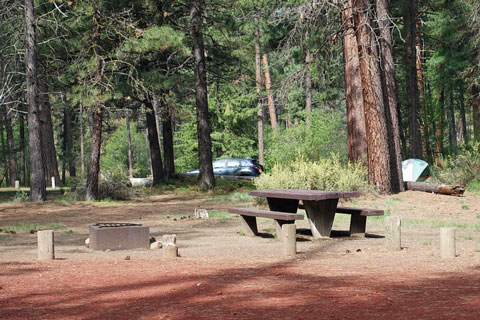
463 169
324 174
114 185
312 143
20 197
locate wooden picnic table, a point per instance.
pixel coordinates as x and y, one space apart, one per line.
319 205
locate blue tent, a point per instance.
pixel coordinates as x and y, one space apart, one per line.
412 169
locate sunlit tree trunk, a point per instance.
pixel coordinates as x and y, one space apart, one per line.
268 88
356 131
168 151
476 112
37 164
390 95
463 119
22 151
4 154
11 150
452 132
379 171
439 128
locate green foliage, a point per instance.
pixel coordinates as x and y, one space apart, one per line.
324 174
114 185
20 197
326 134
463 169
115 152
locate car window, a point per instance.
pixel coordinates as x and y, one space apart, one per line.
219 163
233 163
245 163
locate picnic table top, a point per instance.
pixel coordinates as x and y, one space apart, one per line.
309 195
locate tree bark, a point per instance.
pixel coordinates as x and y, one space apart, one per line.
268 88
379 171
439 128
421 91
409 16
154 146
308 88
4 153
96 117
390 95
91 189
476 112
37 164
129 141
167 132
356 130
258 84
11 150
463 118
205 179
452 132
22 151
82 144
48 143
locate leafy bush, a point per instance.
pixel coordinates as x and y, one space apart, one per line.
325 134
20 197
324 174
115 185
463 169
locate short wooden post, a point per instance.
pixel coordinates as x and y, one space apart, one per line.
46 249
393 233
17 184
170 251
447 243
289 236
53 182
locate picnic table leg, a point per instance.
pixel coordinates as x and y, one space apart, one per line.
249 225
357 225
320 216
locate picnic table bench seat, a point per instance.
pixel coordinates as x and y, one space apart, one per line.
249 218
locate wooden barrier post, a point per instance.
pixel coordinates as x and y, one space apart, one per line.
53 182
447 243
393 233
289 237
17 184
46 248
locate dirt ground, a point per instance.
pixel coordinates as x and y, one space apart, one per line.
223 274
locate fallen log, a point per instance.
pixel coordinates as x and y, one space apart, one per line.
435 188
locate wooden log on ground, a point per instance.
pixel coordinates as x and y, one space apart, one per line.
454 190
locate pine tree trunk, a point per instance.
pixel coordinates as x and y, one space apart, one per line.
463 118
308 88
379 170
168 153
476 112
37 164
91 188
4 152
421 91
356 130
129 141
452 132
96 117
411 76
82 144
205 179
154 146
439 128
11 151
390 95
49 153
268 88
258 82
22 151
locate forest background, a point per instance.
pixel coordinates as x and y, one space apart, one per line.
92 89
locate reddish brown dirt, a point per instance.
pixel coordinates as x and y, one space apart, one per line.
224 275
